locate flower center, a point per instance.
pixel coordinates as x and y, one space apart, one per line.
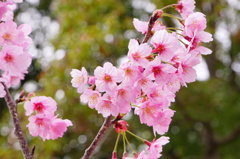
136 56
7 36
107 78
8 58
38 107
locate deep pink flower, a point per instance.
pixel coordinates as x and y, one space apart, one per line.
107 77
40 104
159 71
79 79
164 44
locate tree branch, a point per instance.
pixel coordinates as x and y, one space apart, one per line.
157 14
18 129
106 125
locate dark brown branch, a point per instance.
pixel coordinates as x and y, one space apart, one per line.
106 125
18 129
157 14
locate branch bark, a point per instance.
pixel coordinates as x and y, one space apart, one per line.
106 125
18 129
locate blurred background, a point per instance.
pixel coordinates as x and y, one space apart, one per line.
71 34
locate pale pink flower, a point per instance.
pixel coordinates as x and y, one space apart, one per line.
143 26
195 22
58 127
155 148
162 126
79 79
91 97
140 26
6 11
107 77
11 80
11 60
106 106
2 91
158 94
8 33
15 1
185 7
137 53
164 44
47 127
122 97
40 104
150 113
131 74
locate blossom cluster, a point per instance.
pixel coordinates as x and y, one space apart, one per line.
14 62
154 72
14 41
44 123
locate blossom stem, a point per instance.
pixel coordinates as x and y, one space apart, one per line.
173 28
136 136
128 143
171 16
124 143
18 129
169 6
106 125
116 144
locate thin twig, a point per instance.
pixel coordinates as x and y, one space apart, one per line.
18 129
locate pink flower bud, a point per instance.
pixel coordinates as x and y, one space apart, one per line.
91 80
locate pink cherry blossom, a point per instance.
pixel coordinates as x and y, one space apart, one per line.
140 25
47 127
6 11
162 126
40 104
107 77
155 148
164 44
195 22
159 71
106 106
150 113
8 33
131 74
91 97
185 7
137 53
11 80
11 60
79 79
